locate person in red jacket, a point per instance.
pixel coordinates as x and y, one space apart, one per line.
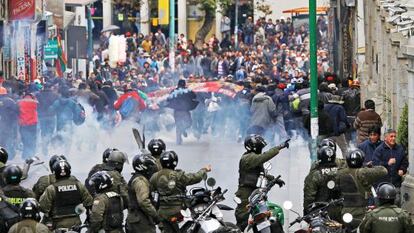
130 99
28 124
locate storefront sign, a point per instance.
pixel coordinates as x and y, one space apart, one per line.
22 9
51 50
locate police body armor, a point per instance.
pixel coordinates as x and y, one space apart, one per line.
168 188
325 194
249 178
387 219
67 198
15 194
351 191
133 205
114 212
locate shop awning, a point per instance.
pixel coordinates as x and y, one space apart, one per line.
78 2
305 10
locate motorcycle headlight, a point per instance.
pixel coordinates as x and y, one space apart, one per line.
199 209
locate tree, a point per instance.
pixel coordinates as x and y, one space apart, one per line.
403 128
209 7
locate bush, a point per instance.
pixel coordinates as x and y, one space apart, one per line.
403 128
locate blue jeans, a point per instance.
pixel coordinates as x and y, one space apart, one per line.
248 39
28 135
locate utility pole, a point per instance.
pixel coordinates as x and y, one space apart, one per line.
313 77
172 35
236 26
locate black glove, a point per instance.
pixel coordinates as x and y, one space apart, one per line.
280 182
284 144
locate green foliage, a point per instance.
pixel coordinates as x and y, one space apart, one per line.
402 137
210 5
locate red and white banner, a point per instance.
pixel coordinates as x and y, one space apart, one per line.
20 59
22 9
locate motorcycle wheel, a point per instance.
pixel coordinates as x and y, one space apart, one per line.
228 228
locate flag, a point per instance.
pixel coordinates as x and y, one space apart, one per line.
61 60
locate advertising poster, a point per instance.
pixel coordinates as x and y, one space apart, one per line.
22 9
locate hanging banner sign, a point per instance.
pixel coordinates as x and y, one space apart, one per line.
22 9
20 60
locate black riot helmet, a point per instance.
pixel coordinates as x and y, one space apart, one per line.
30 209
101 181
54 159
117 159
327 142
12 174
254 143
156 146
355 159
4 156
61 169
169 159
145 165
386 193
106 154
326 154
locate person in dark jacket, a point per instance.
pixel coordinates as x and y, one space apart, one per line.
393 157
339 120
9 112
369 145
28 124
47 119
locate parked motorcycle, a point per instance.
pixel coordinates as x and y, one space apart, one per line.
265 216
318 219
203 213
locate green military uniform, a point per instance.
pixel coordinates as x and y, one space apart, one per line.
119 185
170 183
385 219
340 163
142 215
250 167
2 183
355 184
16 194
29 225
43 182
60 199
107 213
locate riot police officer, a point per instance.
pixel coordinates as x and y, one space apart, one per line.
44 181
142 214
15 193
30 214
98 167
156 147
4 156
320 183
387 217
60 199
170 183
355 183
107 208
114 167
250 168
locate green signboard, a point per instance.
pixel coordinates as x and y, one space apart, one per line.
51 50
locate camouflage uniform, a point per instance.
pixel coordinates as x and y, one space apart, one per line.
250 167
385 219
170 183
60 199
107 213
355 184
142 215
29 225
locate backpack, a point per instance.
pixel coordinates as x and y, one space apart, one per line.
9 215
128 107
79 114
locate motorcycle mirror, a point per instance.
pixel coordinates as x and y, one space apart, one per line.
287 205
80 209
237 200
186 213
331 184
267 166
347 217
211 182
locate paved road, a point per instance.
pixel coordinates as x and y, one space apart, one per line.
223 155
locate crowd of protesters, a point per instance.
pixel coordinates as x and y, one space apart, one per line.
270 64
